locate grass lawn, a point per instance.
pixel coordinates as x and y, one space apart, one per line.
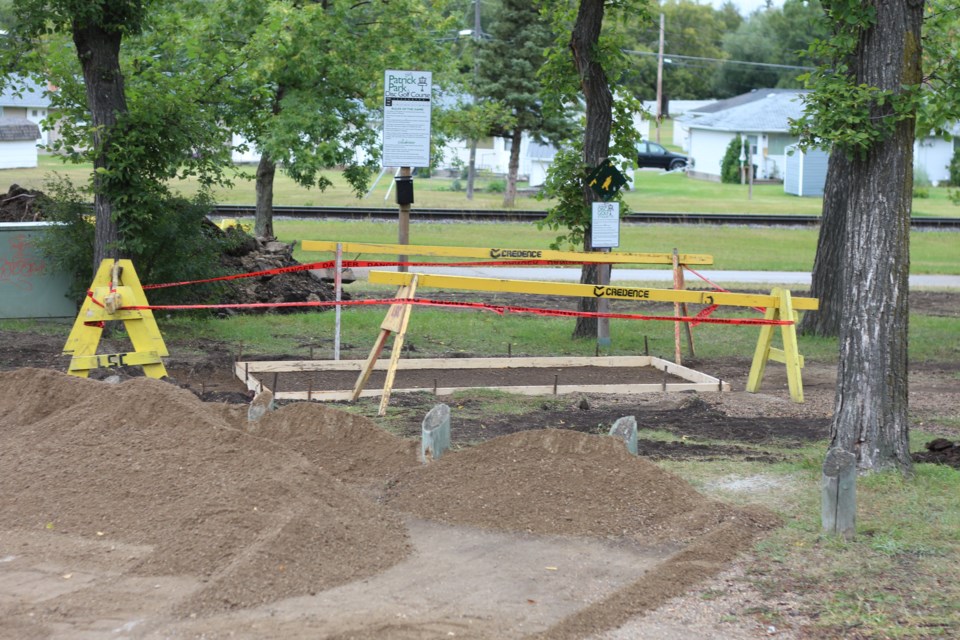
654 191
732 247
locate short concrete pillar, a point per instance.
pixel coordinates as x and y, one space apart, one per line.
435 433
260 405
626 429
838 506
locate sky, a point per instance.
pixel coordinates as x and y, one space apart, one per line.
746 7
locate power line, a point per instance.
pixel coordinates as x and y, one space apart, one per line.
719 60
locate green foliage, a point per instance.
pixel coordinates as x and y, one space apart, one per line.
566 178
690 29
730 165
842 110
775 35
496 186
312 75
955 167
178 244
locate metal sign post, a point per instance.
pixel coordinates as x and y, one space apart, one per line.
406 135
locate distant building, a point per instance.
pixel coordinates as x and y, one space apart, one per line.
762 116
18 143
21 97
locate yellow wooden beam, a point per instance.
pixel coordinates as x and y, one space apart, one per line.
107 360
495 253
589 290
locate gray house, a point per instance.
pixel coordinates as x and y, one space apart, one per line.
762 116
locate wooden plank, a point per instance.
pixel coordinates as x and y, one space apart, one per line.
777 355
541 390
461 363
397 348
107 360
496 253
567 289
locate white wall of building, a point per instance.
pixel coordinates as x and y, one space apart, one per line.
18 154
934 156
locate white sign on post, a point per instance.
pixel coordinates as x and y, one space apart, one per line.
605 226
406 118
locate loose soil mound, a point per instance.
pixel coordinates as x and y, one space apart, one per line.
147 463
558 482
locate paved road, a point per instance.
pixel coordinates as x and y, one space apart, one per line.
723 278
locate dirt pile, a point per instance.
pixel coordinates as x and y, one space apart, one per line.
146 463
249 255
558 482
940 451
21 205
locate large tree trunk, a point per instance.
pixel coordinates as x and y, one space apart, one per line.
827 276
266 171
99 53
871 411
513 168
596 136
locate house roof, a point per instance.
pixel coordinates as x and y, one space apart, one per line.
764 110
18 129
19 91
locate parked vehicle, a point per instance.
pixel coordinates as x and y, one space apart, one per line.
652 155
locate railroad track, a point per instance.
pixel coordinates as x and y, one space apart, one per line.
514 215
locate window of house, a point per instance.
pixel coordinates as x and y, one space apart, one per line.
485 143
777 143
34 113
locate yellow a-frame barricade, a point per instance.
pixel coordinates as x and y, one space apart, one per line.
396 321
779 305
789 355
115 286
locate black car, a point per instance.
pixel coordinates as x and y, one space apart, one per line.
652 155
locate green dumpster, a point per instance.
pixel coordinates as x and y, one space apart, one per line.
29 287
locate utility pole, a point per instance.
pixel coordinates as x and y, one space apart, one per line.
660 81
472 166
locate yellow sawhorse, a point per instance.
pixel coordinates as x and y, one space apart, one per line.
779 305
396 321
115 286
788 355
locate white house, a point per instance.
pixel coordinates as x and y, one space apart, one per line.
18 143
762 116
932 154
23 98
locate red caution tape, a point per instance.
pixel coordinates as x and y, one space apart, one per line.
498 309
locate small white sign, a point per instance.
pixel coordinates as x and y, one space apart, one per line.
605 226
406 118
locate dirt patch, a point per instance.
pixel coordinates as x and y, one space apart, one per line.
109 487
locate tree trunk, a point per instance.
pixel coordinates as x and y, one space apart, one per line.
513 168
827 276
99 53
471 169
596 136
870 420
266 171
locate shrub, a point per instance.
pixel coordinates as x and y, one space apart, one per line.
730 165
178 245
955 167
496 186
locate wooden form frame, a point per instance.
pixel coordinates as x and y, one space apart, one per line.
250 371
